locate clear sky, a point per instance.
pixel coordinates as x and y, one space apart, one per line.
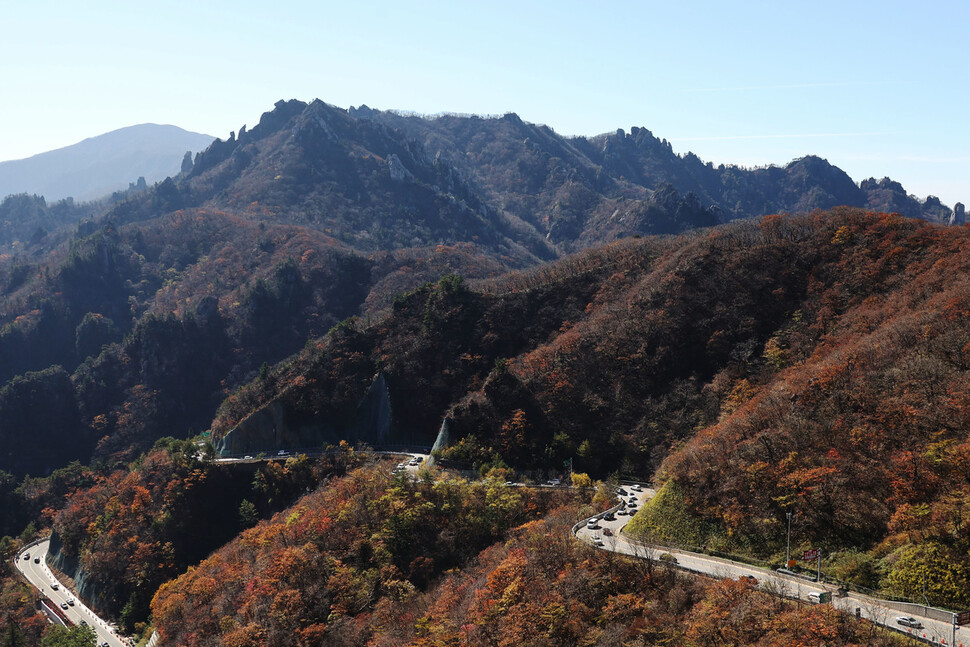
877 88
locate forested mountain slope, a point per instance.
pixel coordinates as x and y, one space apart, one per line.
422 568
814 364
811 364
314 215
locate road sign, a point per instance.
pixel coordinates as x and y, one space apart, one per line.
963 618
810 555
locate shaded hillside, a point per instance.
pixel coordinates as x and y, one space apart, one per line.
131 312
100 165
28 220
268 240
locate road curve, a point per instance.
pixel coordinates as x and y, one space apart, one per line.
610 536
32 564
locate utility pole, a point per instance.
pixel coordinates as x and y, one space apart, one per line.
926 601
788 545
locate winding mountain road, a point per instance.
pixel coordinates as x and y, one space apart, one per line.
32 564
606 532
609 535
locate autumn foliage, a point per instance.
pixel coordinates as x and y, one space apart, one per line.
813 364
375 561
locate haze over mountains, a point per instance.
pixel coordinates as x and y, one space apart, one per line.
99 165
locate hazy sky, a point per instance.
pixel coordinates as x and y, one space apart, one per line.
879 89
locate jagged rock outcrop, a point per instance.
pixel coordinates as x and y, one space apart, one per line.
397 170
959 216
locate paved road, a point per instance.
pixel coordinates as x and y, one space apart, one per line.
608 535
310 453
35 570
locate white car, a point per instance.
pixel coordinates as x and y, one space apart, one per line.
909 621
636 487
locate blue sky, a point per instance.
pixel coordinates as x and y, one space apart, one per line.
879 89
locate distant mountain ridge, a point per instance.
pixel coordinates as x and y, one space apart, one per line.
100 165
620 164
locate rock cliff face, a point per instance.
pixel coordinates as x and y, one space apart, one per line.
959 216
270 429
97 597
374 415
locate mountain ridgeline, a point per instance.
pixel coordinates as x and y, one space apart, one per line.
268 239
